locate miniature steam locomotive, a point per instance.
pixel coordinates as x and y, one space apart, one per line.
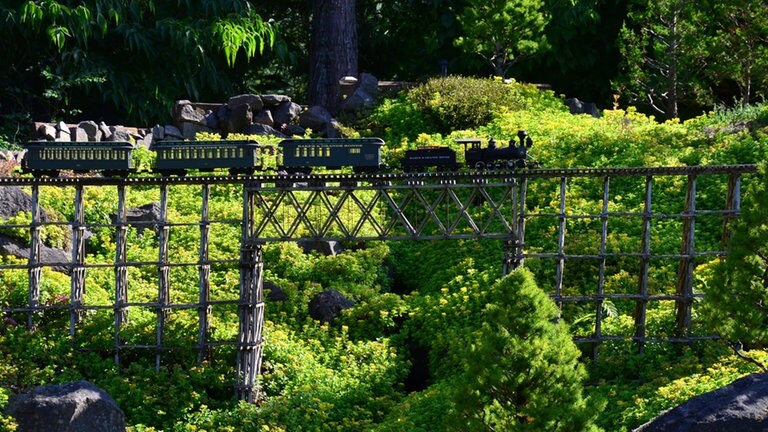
296 156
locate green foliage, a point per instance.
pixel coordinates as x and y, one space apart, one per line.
122 52
739 289
503 32
456 103
511 367
660 45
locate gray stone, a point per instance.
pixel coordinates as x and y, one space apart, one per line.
327 305
73 407
46 132
294 130
264 117
91 130
315 118
7 155
357 101
106 131
274 292
238 119
369 84
333 130
118 134
13 200
158 132
190 114
142 217
273 100
172 132
285 113
62 132
79 134
211 119
56 259
261 129
740 406
578 107
323 247
252 100
189 130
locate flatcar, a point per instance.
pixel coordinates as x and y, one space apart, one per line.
303 155
424 158
496 158
49 158
178 157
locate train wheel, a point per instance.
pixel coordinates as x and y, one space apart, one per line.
480 166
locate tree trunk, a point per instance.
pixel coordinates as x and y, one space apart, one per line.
334 50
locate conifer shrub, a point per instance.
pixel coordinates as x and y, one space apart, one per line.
511 365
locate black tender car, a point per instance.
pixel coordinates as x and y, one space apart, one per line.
303 155
421 159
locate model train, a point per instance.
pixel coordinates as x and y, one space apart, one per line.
296 156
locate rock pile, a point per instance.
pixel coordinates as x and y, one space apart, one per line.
250 114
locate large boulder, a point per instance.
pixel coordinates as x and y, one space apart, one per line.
14 200
142 217
73 407
327 305
57 259
740 406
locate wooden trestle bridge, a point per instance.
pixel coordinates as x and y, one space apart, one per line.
428 206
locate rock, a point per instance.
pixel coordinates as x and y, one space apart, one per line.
273 100
46 132
264 117
332 130
323 247
740 406
315 118
327 305
578 107
158 132
188 113
369 84
56 259
261 129
189 130
357 101
274 292
91 130
142 217
62 132
106 132
119 134
294 130
73 407
172 133
285 113
13 200
211 119
237 119
252 100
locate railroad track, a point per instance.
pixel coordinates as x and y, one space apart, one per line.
377 178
